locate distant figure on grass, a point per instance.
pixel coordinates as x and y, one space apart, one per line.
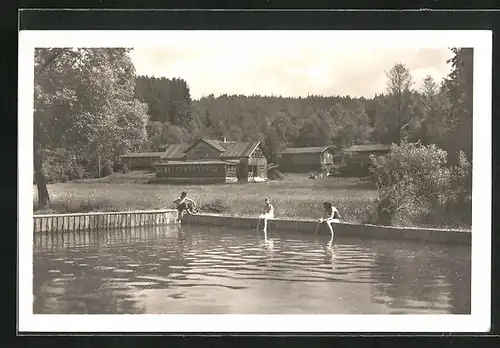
330 216
268 213
184 205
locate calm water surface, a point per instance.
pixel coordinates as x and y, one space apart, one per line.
203 270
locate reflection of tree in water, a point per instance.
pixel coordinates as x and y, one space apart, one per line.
86 292
90 284
460 283
423 279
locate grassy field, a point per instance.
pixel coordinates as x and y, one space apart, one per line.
295 196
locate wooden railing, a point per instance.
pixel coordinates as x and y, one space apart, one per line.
103 220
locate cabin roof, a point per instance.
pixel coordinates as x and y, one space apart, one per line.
228 149
142 154
214 143
174 151
238 148
368 148
192 162
297 150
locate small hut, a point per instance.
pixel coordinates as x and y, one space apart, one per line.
305 159
357 157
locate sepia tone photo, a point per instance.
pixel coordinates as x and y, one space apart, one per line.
270 176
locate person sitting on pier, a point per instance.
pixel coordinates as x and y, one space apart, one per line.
268 213
330 216
184 205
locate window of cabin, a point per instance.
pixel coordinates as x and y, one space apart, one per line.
211 169
231 169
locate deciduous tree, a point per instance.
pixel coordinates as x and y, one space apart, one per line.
84 103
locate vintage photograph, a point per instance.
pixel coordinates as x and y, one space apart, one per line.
253 173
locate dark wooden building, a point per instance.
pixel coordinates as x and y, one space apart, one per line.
357 157
141 160
213 161
304 159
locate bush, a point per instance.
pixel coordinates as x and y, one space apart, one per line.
218 206
416 186
106 170
58 166
120 167
79 171
274 174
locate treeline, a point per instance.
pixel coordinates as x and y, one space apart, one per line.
91 107
440 112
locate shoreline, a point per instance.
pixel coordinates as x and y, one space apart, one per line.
248 216
127 219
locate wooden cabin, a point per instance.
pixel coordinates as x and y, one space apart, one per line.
357 157
213 161
305 159
141 160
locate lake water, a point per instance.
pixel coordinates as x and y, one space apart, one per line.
205 270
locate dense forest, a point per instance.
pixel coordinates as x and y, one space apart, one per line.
438 112
91 107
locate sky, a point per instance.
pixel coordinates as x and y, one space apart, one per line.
285 67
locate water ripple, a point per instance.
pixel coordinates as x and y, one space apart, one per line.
216 268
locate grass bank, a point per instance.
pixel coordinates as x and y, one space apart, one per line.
295 196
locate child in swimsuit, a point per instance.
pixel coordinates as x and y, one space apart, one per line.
184 205
330 216
268 213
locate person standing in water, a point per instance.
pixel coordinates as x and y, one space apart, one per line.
184 205
268 213
330 216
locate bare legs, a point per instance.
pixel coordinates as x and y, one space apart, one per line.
265 226
329 224
330 227
264 219
318 224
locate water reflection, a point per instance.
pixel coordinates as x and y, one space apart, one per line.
214 270
421 280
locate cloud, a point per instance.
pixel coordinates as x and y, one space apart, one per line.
287 69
